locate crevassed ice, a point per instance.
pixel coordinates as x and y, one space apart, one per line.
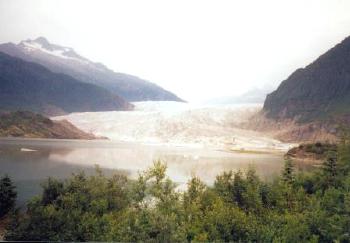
176 123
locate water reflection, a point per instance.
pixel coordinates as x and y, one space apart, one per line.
182 162
60 158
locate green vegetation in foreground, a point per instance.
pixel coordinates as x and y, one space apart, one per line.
313 207
8 195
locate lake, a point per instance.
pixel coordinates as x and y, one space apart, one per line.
30 161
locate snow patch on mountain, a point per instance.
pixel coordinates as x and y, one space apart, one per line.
54 50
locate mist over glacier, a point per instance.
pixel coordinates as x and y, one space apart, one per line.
178 124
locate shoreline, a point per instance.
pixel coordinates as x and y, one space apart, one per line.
222 148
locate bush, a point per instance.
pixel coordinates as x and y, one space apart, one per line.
313 207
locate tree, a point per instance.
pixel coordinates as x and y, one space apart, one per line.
223 186
239 208
288 171
52 189
239 189
8 195
330 170
344 152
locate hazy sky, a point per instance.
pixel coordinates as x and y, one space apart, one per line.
197 49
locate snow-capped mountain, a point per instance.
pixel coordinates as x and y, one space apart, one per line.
42 45
32 87
65 60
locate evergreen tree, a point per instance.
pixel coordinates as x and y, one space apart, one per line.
8 195
330 169
239 189
239 208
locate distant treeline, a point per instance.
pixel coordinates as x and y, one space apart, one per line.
293 207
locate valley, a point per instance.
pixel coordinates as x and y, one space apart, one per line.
174 121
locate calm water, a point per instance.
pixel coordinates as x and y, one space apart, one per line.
61 158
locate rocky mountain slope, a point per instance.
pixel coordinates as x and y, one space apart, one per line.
30 125
318 92
288 130
30 86
312 104
65 60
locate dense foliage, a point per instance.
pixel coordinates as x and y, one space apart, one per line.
295 207
7 195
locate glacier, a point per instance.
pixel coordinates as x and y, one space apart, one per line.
179 124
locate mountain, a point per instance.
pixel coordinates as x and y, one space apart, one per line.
30 125
313 103
318 92
30 86
253 96
65 60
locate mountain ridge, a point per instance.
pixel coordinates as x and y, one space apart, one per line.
65 60
30 86
320 91
313 103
